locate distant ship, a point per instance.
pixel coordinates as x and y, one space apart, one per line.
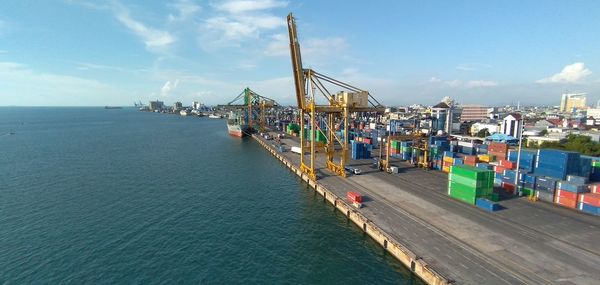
213 116
112 107
184 112
235 125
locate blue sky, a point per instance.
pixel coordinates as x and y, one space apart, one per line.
82 53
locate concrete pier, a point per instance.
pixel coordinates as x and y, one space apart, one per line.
418 266
445 241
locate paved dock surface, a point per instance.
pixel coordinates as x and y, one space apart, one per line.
525 243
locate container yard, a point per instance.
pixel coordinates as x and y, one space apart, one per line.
468 220
452 209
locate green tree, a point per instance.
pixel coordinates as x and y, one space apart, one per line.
543 132
579 143
483 133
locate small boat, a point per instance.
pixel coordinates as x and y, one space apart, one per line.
184 112
214 116
112 107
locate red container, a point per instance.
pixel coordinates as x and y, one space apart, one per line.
497 147
590 199
499 169
508 164
354 197
566 194
569 203
368 140
594 188
498 155
508 187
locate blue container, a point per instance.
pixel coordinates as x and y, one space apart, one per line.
487 205
545 183
454 148
557 163
468 150
484 165
529 185
450 154
571 187
577 179
595 176
497 181
590 209
458 161
585 165
527 159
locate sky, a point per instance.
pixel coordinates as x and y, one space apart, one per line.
96 53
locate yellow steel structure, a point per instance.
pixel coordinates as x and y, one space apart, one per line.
252 101
337 109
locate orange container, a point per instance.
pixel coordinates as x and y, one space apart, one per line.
566 202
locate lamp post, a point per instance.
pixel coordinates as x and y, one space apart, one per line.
517 187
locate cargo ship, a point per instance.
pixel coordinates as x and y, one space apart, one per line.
236 125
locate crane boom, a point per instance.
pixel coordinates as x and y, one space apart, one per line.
299 79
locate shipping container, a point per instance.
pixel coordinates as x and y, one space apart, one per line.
487 205
572 187
577 179
566 202
557 163
590 209
566 194
354 197
590 199
545 196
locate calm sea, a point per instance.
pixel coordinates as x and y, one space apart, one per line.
89 195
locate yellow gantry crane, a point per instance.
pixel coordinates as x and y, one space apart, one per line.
335 110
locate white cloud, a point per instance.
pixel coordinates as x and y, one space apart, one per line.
153 38
24 86
243 6
169 87
480 83
571 73
185 9
238 21
460 84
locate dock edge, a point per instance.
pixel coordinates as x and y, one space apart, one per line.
401 252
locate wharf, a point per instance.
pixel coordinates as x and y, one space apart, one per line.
445 241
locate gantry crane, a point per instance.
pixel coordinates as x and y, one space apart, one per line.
256 106
336 109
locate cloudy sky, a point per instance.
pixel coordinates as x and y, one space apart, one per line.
84 52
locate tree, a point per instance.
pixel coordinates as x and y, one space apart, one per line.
483 133
579 143
543 132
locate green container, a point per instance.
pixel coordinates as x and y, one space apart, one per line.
596 163
476 191
293 127
527 191
472 172
474 183
462 194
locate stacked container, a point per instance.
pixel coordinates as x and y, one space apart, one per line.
498 150
467 183
545 188
527 159
557 163
360 150
595 171
406 150
470 160
567 193
589 203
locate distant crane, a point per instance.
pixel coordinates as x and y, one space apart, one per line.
256 106
336 110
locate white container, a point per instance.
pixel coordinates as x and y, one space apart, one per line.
296 149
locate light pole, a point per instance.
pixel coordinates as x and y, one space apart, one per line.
520 133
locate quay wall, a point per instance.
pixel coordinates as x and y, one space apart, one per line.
401 252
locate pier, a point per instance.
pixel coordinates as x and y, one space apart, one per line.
444 241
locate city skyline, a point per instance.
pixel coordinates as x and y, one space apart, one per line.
81 53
